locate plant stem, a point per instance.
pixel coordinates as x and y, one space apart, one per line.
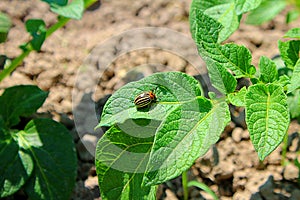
18 60
61 22
185 185
14 64
284 149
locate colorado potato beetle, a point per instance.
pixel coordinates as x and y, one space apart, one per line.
144 99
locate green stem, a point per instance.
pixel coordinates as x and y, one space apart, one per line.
61 22
284 149
18 60
14 64
185 185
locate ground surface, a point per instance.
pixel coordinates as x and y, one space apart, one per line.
231 168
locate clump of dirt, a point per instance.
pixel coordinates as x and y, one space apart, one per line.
231 167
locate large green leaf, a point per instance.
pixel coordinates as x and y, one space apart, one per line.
53 152
226 15
22 100
267 117
186 134
226 12
221 11
186 129
16 165
121 160
171 89
231 57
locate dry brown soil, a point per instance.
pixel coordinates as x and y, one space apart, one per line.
231 168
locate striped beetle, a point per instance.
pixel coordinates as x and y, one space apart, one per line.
144 99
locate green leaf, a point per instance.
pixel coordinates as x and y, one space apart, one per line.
226 15
16 165
221 79
121 160
283 81
267 10
254 80
237 59
238 98
243 6
189 118
212 95
5 25
53 152
293 101
292 16
205 30
268 70
289 52
37 29
221 11
293 33
231 57
295 80
21 100
57 2
73 10
171 89
267 117
279 63
183 136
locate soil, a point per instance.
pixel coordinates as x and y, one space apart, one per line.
89 59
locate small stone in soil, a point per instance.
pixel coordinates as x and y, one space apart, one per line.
237 134
291 172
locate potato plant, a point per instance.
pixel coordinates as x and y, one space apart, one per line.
38 158
147 146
